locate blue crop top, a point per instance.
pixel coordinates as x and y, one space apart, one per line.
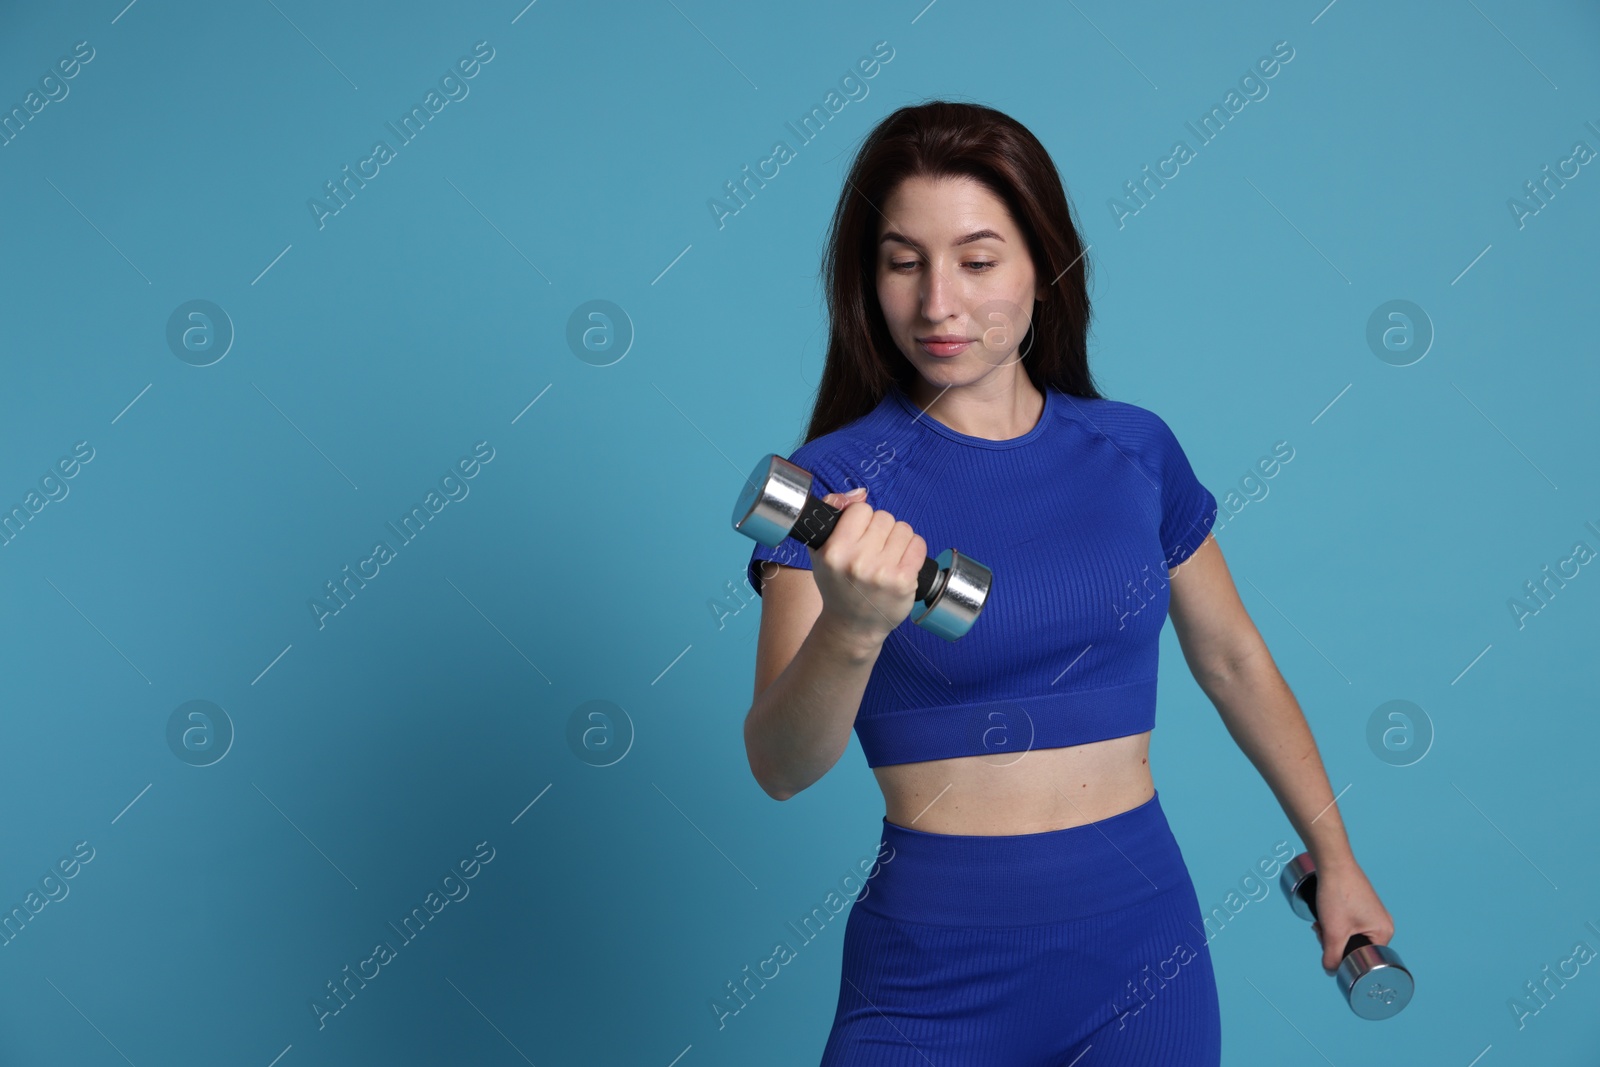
1079 518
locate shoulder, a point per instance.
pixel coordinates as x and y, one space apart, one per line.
1116 419
1134 430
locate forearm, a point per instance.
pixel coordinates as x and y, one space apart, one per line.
1266 722
799 725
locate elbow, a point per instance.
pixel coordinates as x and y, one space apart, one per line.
776 794
769 786
1226 672
778 786
760 772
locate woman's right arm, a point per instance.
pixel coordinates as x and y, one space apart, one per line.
821 632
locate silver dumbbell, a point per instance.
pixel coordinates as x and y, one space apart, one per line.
777 502
1371 977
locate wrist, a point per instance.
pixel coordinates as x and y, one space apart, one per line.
1334 862
856 643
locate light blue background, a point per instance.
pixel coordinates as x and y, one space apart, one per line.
590 557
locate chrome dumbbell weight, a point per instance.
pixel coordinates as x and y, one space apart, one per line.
1371 977
777 502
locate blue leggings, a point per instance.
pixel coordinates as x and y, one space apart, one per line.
1080 946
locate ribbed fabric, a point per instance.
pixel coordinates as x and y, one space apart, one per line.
1080 946
1080 519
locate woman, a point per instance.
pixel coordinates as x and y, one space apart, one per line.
1031 906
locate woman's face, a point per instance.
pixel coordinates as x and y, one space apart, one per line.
952 264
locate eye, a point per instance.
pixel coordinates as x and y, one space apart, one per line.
902 266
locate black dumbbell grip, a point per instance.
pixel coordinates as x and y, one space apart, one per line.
816 521
1308 893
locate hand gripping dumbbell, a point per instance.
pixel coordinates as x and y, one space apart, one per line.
1370 976
777 502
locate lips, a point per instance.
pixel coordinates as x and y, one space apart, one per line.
943 345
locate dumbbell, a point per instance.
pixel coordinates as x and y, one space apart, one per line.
777 502
1371 976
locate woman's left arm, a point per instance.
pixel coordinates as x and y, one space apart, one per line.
1231 663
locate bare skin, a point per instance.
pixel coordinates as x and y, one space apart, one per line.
1046 789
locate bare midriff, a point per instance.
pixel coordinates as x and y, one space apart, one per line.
1019 793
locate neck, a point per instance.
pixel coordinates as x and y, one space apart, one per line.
996 412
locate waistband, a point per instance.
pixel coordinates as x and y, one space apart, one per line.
1025 879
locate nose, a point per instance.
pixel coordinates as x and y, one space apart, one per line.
938 294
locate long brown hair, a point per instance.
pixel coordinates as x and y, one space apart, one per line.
943 138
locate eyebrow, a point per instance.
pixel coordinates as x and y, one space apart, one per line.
977 235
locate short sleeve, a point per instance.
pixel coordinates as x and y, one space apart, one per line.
827 478
1188 509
